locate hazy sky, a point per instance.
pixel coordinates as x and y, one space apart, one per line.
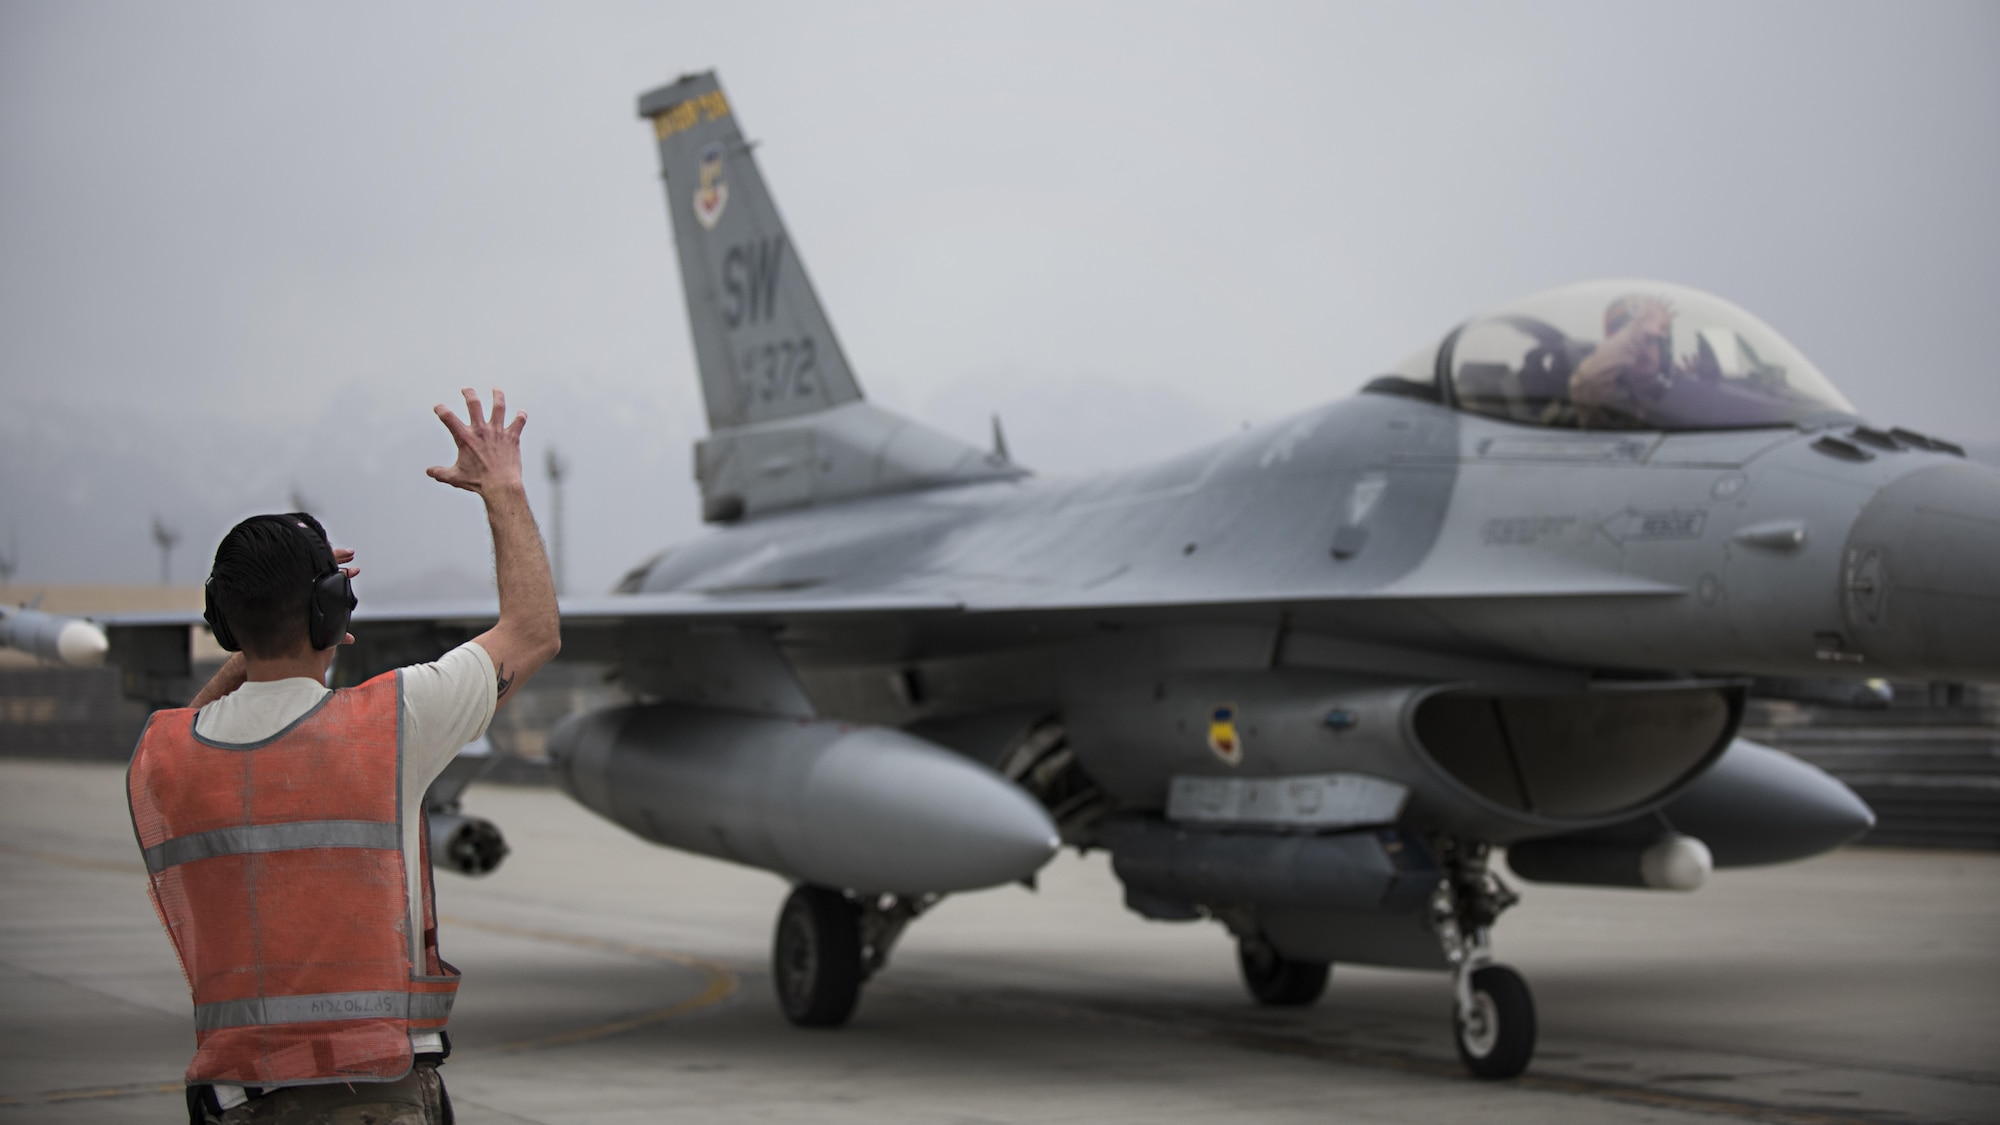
245 246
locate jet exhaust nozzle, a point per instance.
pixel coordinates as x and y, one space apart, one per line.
65 640
859 808
468 845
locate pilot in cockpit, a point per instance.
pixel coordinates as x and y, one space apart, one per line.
1622 380
1633 355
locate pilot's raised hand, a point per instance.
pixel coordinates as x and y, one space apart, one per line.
1629 368
489 449
1635 346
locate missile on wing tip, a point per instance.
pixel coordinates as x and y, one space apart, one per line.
859 808
66 640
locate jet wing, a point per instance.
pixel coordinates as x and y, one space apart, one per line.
970 598
598 610
683 628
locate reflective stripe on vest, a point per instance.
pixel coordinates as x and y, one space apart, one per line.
260 1011
272 838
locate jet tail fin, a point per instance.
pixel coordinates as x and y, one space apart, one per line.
788 427
761 339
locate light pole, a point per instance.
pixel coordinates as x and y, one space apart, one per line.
165 537
556 467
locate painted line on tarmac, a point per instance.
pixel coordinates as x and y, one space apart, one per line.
88 1093
1276 1043
91 1093
720 984
76 860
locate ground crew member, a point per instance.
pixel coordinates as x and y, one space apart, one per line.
282 823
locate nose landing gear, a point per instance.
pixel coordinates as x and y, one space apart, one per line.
1494 1022
1493 1014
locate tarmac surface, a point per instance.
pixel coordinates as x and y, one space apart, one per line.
609 981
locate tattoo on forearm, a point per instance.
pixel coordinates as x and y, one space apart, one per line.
505 681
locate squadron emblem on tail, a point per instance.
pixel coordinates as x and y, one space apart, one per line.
713 194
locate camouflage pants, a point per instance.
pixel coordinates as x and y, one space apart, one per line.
418 1098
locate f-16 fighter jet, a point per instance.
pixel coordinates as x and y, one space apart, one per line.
1305 682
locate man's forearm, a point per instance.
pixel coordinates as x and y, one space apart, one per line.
529 632
521 569
227 678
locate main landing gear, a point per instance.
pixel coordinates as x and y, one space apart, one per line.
1276 981
828 944
1493 1014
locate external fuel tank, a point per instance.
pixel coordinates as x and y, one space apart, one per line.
859 808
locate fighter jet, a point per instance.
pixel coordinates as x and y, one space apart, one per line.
1307 682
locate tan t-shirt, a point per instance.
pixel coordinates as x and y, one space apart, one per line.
446 704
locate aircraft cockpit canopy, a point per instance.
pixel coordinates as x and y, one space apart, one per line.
1634 355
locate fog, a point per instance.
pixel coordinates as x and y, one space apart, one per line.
244 247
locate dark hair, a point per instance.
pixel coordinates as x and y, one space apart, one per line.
263 578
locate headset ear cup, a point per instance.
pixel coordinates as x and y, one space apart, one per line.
217 624
332 608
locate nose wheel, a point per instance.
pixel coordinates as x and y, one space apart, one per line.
1493 1013
1495 1024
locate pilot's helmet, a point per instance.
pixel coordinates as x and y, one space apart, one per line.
1659 359
1620 312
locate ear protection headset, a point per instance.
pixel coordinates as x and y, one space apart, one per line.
329 608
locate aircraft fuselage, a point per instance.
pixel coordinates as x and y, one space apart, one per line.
1394 521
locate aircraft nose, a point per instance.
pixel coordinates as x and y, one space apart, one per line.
1921 574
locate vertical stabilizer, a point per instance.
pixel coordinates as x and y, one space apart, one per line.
764 345
787 427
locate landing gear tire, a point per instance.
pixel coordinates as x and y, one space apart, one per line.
1278 982
1497 1038
816 957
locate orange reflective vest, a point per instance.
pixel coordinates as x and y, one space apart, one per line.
277 869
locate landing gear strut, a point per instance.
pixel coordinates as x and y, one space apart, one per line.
1493 1014
828 944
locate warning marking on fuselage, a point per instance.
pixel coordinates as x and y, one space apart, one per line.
1222 734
